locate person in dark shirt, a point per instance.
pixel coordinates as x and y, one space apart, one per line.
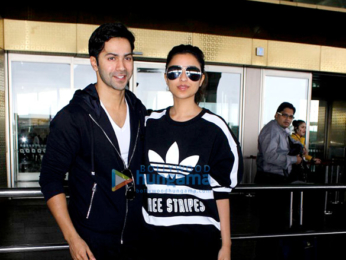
97 138
193 161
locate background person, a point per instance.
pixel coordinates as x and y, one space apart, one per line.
299 128
274 163
185 215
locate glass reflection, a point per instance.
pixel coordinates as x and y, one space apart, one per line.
39 91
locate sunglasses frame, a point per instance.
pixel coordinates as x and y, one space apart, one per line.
291 117
179 71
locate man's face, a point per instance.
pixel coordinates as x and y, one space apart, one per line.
285 117
115 64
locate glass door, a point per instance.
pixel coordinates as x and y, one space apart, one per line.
149 85
223 94
285 86
39 86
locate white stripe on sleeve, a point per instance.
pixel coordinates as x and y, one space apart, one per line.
233 145
155 115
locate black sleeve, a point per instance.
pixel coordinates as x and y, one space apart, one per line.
226 163
63 144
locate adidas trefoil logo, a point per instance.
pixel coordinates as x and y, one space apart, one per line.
171 167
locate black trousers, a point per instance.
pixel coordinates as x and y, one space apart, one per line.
181 245
108 246
273 208
270 178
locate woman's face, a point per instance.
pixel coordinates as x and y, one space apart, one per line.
181 85
302 129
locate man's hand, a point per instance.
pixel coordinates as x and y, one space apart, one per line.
79 249
299 159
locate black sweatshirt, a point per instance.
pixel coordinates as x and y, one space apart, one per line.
189 165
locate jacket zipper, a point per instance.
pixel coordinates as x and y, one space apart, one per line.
91 200
123 230
126 211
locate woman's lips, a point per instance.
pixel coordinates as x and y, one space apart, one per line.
183 87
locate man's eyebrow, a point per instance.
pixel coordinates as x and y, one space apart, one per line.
116 54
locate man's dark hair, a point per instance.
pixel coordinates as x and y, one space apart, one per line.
286 105
104 33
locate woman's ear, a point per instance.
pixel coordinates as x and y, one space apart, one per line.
202 80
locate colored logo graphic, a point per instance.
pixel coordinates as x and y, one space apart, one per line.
119 180
171 168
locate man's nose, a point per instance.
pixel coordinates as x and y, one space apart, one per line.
120 65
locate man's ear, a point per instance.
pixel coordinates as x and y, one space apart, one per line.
93 62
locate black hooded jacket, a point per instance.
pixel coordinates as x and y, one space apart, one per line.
83 144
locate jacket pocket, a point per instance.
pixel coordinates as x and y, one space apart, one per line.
91 200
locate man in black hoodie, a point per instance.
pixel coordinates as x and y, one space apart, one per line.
98 140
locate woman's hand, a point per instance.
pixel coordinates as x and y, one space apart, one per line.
225 253
223 208
317 161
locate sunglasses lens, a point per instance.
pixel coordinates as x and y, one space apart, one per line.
193 73
174 72
130 187
130 191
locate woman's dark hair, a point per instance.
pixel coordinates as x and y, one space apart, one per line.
198 54
296 124
104 33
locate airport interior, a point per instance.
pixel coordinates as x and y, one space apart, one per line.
259 53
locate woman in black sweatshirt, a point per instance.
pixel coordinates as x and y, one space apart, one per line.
193 161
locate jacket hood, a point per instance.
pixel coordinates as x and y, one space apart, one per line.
89 100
